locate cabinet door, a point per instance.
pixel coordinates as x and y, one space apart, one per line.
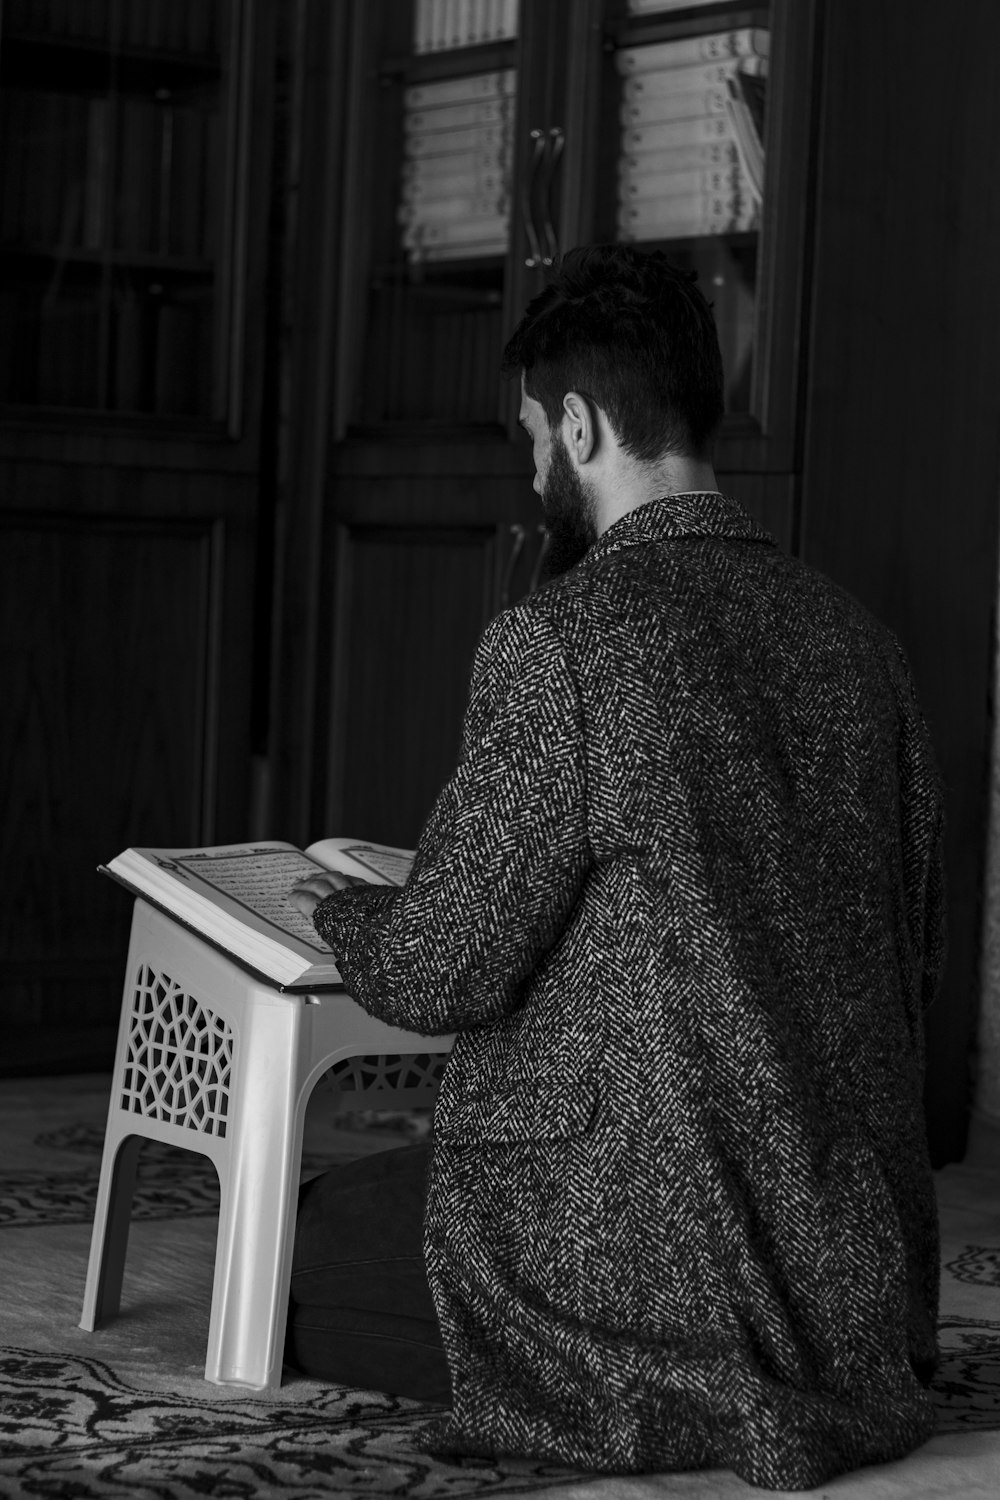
448 186
425 521
688 130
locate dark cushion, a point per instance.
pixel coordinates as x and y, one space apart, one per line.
359 1236
369 1351
360 1310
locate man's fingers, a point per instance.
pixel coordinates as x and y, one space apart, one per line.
305 900
307 894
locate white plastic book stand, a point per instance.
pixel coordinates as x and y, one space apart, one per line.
214 1060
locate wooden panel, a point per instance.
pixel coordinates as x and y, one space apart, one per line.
358 495
412 603
901 471
108 635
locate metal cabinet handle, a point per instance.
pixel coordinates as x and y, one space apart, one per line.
518 535
557 143
536 572
527 197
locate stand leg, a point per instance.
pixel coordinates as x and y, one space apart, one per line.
109 1241
257 1209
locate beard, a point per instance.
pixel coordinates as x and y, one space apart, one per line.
570 511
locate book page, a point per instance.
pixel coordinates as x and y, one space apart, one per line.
258 880
379 863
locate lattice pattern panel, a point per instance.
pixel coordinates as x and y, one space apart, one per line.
412 1071
180 1057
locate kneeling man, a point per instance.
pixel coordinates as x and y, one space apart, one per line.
682 903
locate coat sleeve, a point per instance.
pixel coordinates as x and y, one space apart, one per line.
500 862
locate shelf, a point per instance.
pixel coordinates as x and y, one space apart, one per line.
84 64
739 239
416 433
116 420
455 62
138 260
480 275
637 31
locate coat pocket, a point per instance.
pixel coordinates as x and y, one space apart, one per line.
549 1109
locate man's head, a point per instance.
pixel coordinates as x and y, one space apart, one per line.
633 334
618 337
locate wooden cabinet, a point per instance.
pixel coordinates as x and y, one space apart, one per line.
133 246
410 517
900 460
261 486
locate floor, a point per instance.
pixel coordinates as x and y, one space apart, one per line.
52 1133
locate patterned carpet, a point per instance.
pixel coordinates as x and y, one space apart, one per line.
71 1426
126 1411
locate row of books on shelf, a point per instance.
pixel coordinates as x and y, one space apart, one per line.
431 360
457 162
185 26
672 93
91 173
714 46
157 351
439 25
692 160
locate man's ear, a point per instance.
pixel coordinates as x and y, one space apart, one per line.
579 426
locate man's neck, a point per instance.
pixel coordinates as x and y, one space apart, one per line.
642 483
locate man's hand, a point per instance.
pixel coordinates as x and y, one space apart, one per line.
307 894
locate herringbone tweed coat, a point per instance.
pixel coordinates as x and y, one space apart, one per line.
682 901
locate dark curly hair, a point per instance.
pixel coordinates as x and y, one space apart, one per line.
633 334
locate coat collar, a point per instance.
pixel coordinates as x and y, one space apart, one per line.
693 513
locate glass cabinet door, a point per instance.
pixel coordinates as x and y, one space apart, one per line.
682 161
698 146
434 115
119 204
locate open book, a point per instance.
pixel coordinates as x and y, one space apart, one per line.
235 896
